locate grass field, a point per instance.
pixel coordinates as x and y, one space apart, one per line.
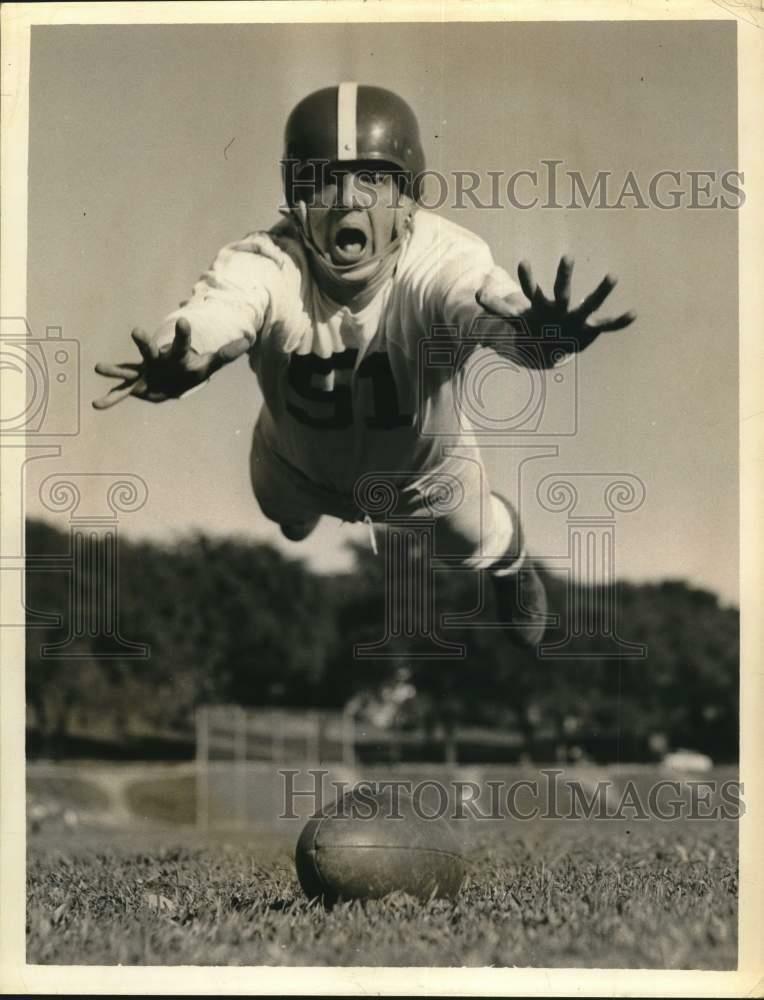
570 893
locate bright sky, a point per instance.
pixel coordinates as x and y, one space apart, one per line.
151 147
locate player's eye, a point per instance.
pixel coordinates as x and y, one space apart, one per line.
312 181
373 176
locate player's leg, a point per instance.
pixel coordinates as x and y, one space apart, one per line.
481 530
520 593
297 531
280 495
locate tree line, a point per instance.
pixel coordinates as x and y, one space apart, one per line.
231 620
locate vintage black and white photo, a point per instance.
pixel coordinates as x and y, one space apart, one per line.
378 392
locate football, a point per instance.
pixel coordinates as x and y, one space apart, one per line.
370 843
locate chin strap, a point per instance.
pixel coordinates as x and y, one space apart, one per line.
347 274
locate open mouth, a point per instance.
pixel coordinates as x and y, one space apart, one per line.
350 245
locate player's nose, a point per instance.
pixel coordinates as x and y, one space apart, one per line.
353 193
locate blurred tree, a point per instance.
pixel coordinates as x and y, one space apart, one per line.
231 620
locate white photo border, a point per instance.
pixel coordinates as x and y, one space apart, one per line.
15 975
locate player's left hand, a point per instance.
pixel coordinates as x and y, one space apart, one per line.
537 313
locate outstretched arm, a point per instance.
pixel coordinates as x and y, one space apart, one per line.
532 314
165 372
220 322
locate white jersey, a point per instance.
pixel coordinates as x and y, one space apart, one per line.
349 391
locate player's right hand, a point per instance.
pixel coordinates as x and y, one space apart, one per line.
167 372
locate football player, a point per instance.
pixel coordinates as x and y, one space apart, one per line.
332 305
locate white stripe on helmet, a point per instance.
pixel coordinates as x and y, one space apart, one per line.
347 136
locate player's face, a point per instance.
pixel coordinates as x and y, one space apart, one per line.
356 213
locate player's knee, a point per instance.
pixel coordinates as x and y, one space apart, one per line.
298 531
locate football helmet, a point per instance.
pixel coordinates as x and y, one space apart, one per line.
353 123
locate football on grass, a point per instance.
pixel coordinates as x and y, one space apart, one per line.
371 843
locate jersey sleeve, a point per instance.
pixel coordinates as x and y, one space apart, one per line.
248 282
449 276
457 284
447 286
